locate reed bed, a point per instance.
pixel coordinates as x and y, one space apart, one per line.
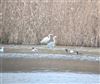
74 22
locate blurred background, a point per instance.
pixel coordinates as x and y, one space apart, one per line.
74 22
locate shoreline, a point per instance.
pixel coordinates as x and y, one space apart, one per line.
18 58
12 48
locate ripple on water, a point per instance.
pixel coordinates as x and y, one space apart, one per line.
50 78
50 56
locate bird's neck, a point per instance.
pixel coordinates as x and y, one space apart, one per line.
49 36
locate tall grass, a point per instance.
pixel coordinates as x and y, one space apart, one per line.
74 22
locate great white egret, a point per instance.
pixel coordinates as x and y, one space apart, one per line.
2 49
52 43
46 39
71 51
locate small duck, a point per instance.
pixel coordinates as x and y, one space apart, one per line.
71 51
2 49
34 50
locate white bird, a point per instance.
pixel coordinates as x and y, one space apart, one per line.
52 43
46 39
2 49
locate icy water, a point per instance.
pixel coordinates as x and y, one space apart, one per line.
49 78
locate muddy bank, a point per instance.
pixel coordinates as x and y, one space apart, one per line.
43 49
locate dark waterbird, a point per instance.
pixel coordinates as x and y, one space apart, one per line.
72 51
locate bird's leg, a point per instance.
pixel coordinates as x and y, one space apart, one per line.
77 52
37 53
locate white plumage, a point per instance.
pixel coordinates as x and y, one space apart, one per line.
71 51
2 49
35 51
46 39
52 43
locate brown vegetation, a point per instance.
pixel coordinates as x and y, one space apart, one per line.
75 22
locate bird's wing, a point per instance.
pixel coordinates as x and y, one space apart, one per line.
45 40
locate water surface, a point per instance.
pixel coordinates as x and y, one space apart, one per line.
50 78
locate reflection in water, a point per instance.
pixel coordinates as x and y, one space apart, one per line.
49 78
38 64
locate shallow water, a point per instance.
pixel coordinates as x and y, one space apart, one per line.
51 56
49 78
56 62
28 68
